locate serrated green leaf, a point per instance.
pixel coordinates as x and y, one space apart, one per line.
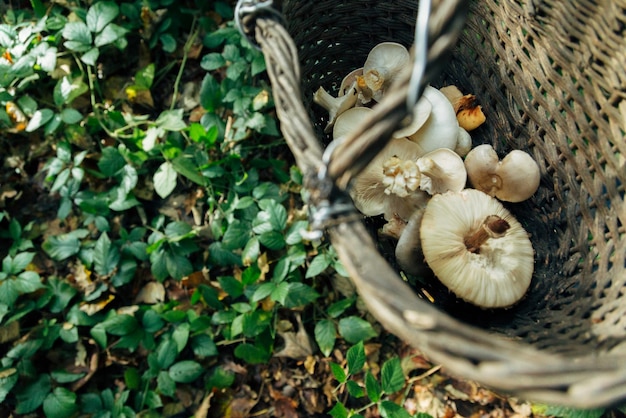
66 90
273 240
203 346
186 371
145 77
389 409
39 118
61 403
354 389
339 307
237 235
325 336
355 329
101 14
251 251
355 358
110 34
79 34
178 266
210 94
280 293
105 257
60 247
338 411
62 376
338 372
318 264
255 322
391 376
18 263
372 387
220 378
294 234
28 282
165 179
32 395
300 294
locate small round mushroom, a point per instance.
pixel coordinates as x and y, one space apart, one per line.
383 63
408 250
514 179
441 170
477 248
463 143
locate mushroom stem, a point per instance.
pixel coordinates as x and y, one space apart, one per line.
492 227
431 169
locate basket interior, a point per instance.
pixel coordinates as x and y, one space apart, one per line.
550 78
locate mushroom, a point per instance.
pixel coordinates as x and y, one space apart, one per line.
463 143
408 250
383 63
441 170
468 112
421 113
441 130
389 184
335 105
514 179
476 248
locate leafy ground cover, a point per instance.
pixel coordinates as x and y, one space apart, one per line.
152 257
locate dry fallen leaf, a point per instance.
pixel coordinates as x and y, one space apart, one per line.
298 345
151 293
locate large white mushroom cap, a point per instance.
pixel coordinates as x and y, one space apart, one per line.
496 273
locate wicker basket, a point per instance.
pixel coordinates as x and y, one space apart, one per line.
551 78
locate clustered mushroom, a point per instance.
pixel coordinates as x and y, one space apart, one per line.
440 197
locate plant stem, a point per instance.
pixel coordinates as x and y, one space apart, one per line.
492 227
186 48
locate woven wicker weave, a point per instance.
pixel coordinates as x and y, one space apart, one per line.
552 81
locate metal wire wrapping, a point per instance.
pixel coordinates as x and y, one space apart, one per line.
551 79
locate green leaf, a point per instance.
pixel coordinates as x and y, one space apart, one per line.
220 378
62 376
61 403
110 34
300 295
78 36
355 329
236 236
121 324
111 161
391 375
338 372
60 247
355 358
257 65
181 336
8 379
32 396
186 371
178 266
354 389
71 116
145 77
325 336
390 409
251 354
255 322
566 412
28 282
184 164
251 251
101 14
171 120
165 179
212 61
91 56
273 240
210 96
339 307
319 263
17 263
40 118
105 257
338 411
168 42
167 353
66 90
372 387
165 384
203 346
